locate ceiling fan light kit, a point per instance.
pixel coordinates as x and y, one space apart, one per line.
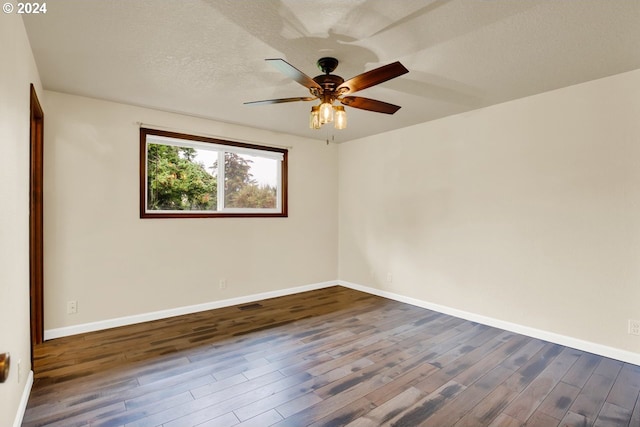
329 88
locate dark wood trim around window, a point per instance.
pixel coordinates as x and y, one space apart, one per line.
195 214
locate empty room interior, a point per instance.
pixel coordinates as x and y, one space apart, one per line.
328 213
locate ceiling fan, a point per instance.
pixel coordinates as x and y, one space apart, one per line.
329 88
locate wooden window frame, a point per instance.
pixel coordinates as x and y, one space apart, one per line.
144 213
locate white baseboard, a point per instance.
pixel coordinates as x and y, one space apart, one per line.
599 349
163 314
17 422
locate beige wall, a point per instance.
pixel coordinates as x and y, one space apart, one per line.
17 71
527 212
100 253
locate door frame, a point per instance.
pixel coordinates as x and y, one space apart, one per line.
36 216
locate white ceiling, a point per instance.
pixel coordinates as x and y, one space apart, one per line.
206 57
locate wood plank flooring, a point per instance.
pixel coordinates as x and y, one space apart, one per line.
332 357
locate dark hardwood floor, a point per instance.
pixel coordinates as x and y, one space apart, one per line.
332 357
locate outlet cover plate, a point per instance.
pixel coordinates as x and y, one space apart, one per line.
72 307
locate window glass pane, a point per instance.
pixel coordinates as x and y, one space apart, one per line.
250 182
180 178
187 176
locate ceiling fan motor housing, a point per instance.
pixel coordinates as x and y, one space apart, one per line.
329 82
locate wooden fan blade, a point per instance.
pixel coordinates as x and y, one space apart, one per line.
281 100
373 77
290 71
369 104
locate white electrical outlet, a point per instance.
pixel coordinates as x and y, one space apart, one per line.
72 307
634 327
389 278
223 283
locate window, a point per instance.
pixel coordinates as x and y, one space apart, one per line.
187 176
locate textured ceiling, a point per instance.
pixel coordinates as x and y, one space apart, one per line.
206 57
